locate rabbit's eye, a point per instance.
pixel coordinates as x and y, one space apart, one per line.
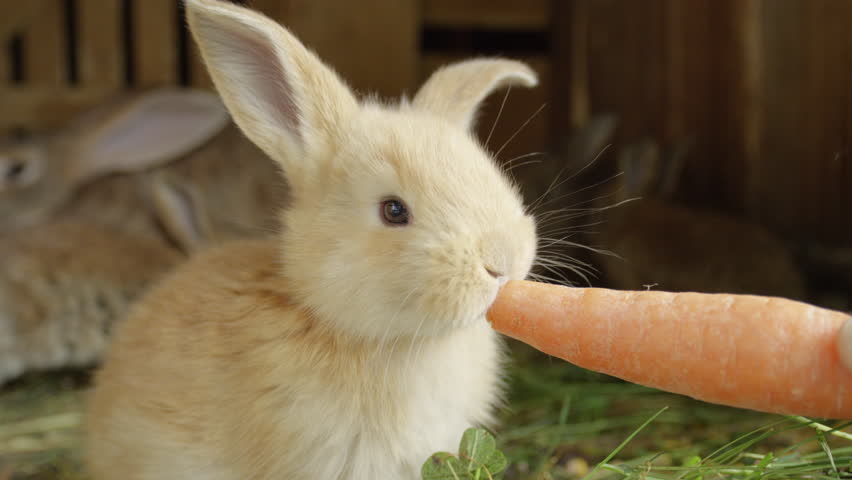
15 171
394 212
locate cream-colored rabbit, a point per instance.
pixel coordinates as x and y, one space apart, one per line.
354 345
94 213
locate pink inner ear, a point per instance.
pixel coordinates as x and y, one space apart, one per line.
257 75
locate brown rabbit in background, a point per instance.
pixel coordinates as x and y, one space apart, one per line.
96 212
672 247
98 168
62 286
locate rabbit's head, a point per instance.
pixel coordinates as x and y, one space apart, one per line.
399 223
40 174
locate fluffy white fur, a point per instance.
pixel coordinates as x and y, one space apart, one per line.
345 348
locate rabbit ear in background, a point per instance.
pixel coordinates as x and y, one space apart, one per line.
639 164
456 91
588 141
280 94
180 209
153 129
672 167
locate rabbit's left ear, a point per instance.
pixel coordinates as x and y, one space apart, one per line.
456 91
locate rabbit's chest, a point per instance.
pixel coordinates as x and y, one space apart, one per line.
418 404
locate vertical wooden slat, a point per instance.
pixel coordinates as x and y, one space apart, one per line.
45 59
677 50
748 95
606 22
579 80
100 58
156 49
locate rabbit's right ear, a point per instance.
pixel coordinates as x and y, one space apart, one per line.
150 130
456 91
280 94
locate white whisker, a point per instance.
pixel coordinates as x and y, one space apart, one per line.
520 129
499 113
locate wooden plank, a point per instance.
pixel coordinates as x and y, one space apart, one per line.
156 48
804 117
100 55
44 47
375 52
46 107
497 14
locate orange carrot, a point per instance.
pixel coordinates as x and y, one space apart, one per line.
767 354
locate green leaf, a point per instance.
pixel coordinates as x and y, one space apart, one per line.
478 459
443 466
478 450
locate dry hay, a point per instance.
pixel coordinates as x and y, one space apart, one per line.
40 427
